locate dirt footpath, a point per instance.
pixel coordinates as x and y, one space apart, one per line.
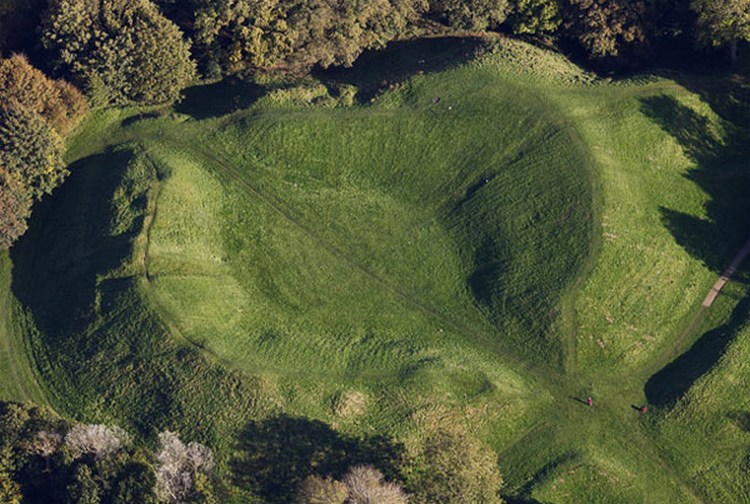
724 278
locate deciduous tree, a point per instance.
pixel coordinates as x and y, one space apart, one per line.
535 17
454 468
46 444
57 101
121 51
471 14
234 35
723 23
95 439
30 150
15 208
83 488
366 485
136 484
179 463
318 490
605 27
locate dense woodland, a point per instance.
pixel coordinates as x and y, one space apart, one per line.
61 58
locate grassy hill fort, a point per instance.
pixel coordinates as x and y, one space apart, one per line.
464 262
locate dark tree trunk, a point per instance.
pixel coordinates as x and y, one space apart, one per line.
733 51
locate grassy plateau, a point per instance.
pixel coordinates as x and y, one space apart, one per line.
353 259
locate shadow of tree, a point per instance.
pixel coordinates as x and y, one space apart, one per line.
93 328
741 419
721 171
674 380
376 70
218 99
273 456
69 244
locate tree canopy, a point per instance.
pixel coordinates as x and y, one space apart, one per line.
15 208
234 35
35 114
722 22
471 14
30 150
605 27
535 17
61 104
120 51
455 467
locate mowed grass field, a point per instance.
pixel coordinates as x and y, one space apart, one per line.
486 244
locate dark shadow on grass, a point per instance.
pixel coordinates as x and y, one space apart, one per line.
741 419
218 99
523 496
273 456
578 399
377 70
722 170
128 121
96 338
672 382
56 264
485 281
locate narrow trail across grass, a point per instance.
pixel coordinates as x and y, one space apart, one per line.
225 169
727 275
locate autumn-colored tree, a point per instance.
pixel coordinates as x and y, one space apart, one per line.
57 101
121 51
605 27
723 23
35 112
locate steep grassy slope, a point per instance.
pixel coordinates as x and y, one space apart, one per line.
487 244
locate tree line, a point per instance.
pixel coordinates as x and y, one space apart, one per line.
120 52
120 42
45 458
